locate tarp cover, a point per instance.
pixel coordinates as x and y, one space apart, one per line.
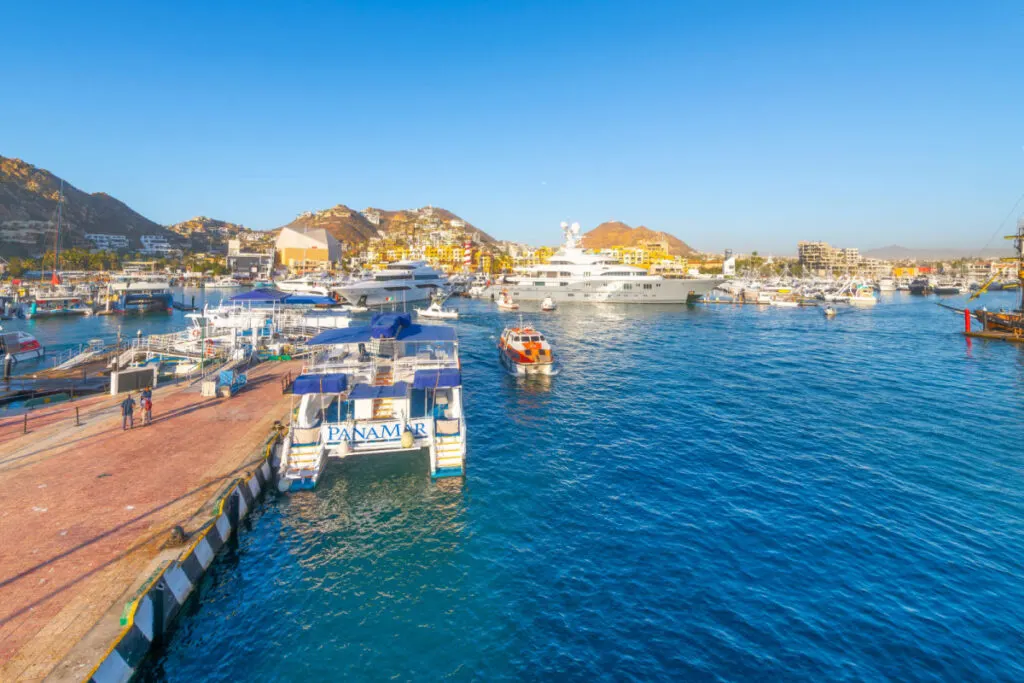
264 295
387 325
309 300
320 384
437 379
361 391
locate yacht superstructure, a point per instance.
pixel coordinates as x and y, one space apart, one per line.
573 275
401 282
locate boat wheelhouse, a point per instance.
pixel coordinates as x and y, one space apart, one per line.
389 387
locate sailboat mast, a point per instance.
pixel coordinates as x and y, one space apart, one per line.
56 236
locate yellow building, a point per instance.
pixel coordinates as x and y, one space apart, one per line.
304 250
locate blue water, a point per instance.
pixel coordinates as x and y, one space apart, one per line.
703 493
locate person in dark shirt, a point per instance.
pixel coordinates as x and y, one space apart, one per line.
127 413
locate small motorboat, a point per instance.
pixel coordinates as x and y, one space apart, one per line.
784 303
830 312
864 296
19 345
524 351
436 312
505 301
548 304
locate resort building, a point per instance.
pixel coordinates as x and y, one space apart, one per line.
106 242
156 245
307 249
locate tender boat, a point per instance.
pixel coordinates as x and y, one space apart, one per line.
20 345
524 351
436 312
505 301
864 296
548 304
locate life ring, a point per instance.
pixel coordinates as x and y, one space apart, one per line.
195 333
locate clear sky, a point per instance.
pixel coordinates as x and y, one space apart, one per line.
730 124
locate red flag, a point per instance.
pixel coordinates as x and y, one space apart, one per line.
55 280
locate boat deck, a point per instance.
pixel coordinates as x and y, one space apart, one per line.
98 503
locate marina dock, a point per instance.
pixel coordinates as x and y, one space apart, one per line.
88 509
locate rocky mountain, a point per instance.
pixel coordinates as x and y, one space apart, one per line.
618 234
205 234
354 227
28 213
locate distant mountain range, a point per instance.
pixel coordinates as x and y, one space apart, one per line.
28 213
618 234
897 253
28 217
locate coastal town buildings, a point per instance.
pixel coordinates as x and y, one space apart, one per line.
106 242
822 258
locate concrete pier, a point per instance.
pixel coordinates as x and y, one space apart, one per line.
87 509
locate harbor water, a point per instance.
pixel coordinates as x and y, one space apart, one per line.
710 492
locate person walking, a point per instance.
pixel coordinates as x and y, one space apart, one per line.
127 413
147 408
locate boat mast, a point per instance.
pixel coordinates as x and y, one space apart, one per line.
56 235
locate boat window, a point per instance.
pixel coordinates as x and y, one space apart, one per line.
430 276
551 273
565 273
538 284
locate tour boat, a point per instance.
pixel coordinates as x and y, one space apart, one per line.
435 311
548 304
20 345
49 305
864 296
524 351
505 301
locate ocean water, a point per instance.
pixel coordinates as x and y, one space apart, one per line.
702 493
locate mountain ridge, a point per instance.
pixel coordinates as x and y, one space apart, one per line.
618 234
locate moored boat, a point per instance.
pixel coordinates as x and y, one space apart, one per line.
548 304
524 351
506 302
19 345
863 296
435 311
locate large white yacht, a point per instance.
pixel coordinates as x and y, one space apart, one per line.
401 282
575 276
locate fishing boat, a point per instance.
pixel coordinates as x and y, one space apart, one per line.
863 296
505 301
524 351
20 345
436 312
548 304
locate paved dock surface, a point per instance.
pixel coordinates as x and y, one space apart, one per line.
87 508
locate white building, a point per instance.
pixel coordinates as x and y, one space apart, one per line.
302 249
156 245
106 242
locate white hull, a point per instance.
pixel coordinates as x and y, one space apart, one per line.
862 301
378 296
662 291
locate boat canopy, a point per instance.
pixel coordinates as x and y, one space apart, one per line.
320 384
388 325
309 300
410 333
364 391
441 378
265 294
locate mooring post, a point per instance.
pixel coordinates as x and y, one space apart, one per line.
77 423
24 428
967 321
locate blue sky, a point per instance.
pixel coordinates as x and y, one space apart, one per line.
748 125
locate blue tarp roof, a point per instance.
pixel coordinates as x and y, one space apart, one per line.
388 325
309 300
265 294
437 379
412 333
397 390
319 384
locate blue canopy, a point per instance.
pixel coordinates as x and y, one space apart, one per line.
397 390
320 384
265 295
410 333
309 300
387 325
437 379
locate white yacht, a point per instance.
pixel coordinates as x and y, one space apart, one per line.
576 276
401 282
306 284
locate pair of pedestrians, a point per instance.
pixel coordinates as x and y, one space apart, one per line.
128 409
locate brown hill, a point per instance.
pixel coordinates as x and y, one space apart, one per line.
355 227
28 211
617 234
347 225
205 234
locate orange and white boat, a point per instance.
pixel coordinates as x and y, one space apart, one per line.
524 351
505 301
